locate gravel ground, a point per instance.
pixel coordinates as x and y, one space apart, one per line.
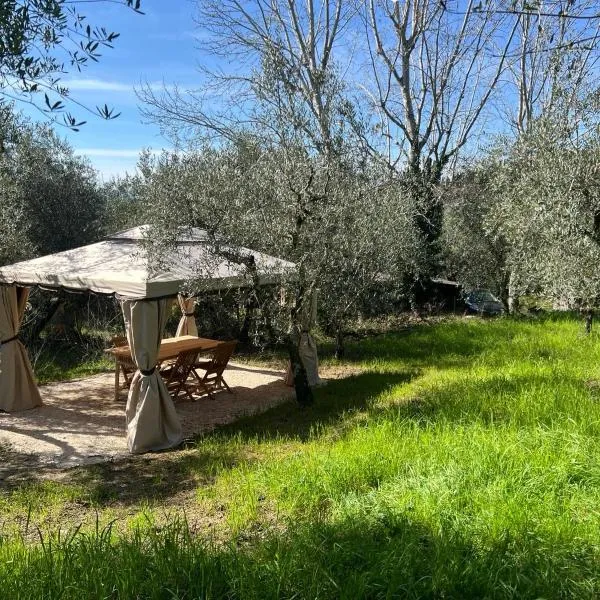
80 423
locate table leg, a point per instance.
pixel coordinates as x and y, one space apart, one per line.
116 380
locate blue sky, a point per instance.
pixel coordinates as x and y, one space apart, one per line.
156 47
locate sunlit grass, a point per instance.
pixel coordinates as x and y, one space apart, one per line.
463 461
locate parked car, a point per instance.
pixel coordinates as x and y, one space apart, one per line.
483 302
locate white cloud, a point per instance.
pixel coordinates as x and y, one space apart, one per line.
109 152
102 85
97 85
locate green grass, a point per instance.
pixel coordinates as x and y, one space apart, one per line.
56 368
63 360
463 461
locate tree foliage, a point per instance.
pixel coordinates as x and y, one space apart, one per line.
40 41
49 200
334 139
548 209
440 70
355 118
340 225
474 251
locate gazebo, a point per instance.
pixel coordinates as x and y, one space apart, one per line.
119 266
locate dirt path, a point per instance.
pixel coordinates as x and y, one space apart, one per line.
81 424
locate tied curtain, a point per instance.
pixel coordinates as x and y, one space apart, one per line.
18 390
187 324
152 421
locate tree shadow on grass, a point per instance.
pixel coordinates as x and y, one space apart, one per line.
13 463
447 345
387 553
160 476
497 399
490 401
165 475
393 555
335 403
153 478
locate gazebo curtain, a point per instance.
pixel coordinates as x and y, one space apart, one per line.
187 324
18 390
152 422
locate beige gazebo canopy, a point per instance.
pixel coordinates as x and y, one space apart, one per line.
119 266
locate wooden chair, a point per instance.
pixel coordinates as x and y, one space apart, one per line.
177 374
214 367
126 365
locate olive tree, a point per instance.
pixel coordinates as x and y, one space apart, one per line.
123 207
49 200
474 251
40 40
287 95
246 193
548 207
49 195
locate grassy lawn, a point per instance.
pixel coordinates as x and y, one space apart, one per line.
460 460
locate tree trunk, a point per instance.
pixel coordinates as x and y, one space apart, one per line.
513 296
589 318
244 336
422 180
339 342
420 185
304 395
513 304
505 299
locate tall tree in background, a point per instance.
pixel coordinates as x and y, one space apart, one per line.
439 70
432 76
285 80
553 58
286 93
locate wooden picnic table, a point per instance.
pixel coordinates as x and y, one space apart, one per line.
169 348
